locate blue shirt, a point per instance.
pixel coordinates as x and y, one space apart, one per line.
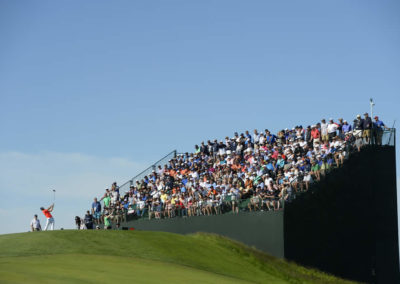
271 138
280 163
379 124
346 128
270 167
96 206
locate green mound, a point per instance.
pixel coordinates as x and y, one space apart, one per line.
141 257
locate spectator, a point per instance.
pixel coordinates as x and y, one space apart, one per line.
107 221
346 128
340 127
324 131
88 220
378 127
35 224
78 222
332 128
358 126
315 135
96 211
315 170
83 225
254 202
367 126
106 199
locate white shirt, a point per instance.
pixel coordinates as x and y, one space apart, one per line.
336 144
114 195
324 128
303 143
35 223
332 127
267 180
256 138
141 204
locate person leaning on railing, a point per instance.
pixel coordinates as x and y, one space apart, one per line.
377 130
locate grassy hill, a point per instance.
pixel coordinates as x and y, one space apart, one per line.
141 257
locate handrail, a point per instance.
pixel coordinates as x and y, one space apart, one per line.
392 132
392 135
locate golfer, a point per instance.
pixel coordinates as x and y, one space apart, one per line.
50 219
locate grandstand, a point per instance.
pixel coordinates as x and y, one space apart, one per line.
307 194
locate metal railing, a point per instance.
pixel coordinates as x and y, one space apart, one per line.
389 137
163 161
225 207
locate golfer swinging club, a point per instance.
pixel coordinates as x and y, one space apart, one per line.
50 219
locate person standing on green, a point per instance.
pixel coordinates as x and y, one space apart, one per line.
107 222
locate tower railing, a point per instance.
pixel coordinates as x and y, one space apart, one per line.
389 137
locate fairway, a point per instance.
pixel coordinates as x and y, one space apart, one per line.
141 257
103 269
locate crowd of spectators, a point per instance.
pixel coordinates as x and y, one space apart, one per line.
258 171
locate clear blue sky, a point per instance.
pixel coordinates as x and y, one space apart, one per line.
95 91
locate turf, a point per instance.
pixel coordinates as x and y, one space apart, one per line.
141 257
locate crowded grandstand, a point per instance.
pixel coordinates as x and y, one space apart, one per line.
247 172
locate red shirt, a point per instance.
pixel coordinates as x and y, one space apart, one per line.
315 133
47 213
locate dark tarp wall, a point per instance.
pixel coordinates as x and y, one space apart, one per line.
347 224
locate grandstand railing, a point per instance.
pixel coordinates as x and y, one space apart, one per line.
225 207
163 161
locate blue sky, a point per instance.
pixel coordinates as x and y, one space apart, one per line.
95 91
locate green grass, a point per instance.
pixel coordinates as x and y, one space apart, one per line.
141 257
